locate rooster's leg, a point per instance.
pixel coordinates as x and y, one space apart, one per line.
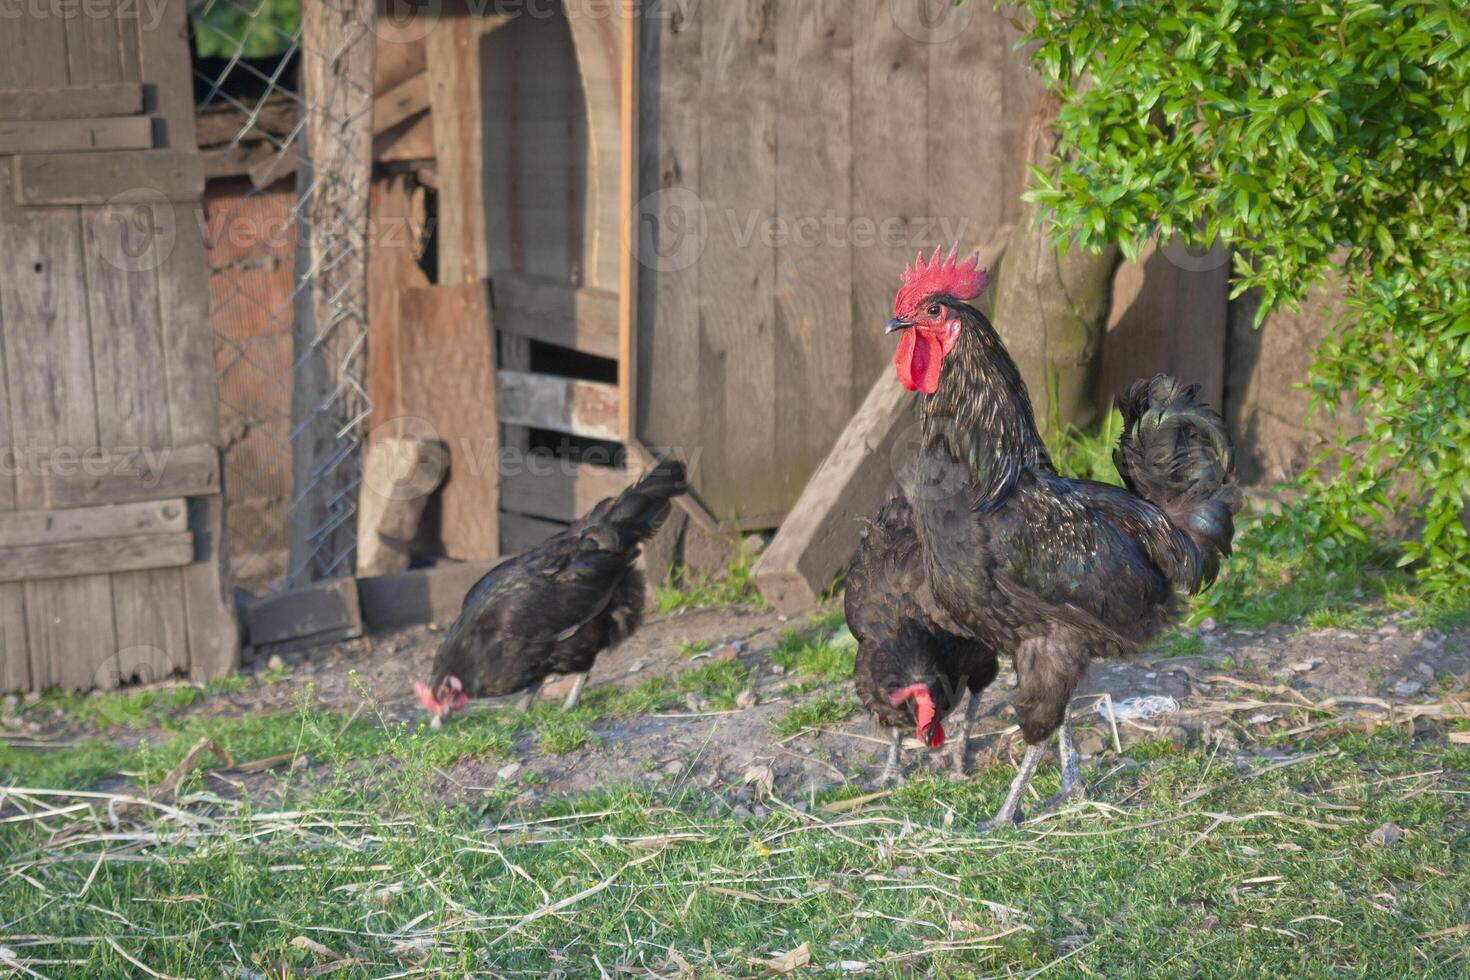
892 772
1072 785
575 694
1010 810
528 697
962 744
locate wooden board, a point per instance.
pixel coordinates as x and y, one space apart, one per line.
80 102
519 532
583 319
396 215
323 611
76 135
29 563
820 535
559 490
403 101
447 378
41 527
548 401
420 595
103 477
96 178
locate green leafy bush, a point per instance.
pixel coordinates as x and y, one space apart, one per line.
251 28
1311 137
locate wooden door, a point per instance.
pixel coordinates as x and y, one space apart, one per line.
110 511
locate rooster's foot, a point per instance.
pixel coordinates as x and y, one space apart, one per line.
892 772
961 759
1073 787
575 694
1010 810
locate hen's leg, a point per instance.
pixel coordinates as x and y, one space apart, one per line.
575 694
1072 785
962 744
1010 810
528 696
892 772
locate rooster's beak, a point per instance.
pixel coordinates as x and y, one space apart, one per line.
898 323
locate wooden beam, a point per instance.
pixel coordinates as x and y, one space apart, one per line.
101 555
421 595
39 527
323 612
76 135
565 493
820 535
81 102
96 178
115 477
583 319
519 533
627 198
548 401
403 101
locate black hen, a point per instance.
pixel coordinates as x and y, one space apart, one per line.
553 609
1050 571
911 671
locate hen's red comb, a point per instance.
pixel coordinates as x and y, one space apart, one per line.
963 281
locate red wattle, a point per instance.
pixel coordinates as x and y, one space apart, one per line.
426 698
918 359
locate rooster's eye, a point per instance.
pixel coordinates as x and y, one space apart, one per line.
934 310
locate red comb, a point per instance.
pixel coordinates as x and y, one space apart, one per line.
924 704
426 697
963 281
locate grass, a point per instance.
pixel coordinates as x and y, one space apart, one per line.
719 683
819 712
1086 455
818 656
1195 866
1178 644
702 591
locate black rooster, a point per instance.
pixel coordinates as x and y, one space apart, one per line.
911 671
1051 571
553 609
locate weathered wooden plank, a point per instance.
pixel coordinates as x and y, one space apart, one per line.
96 178
403 101
559 490
598 56
583 319
94 42
890 189
95 557
397 218
520 532
737 98
76 135
398 474
103 477
409 140
1168 316
323 611
820 535
80 102
447 377
164 61
619 220
548 401
812 396
420 595
39 527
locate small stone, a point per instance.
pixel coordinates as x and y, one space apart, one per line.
1209 923
759 811
557 687
636 666
1207 624
508 771
1301 666
1386 836
905 871
778 670
801 806
1424 669
740 810
301 762
1091 745
745 700
10 704
275 663
1408 688
673 767
754 544
726 651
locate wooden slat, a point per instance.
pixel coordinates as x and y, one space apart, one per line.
76 135
39 527
519 532
447 377
820 535
420 595
119 477
96 178
81 102
320 612
98 556
397 217
547 401
583 319
565 493
403 101
629 46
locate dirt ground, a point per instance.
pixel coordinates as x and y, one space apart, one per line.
1243 686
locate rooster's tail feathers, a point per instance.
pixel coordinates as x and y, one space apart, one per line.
637 512
1176 454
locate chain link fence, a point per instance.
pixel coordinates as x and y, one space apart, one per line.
284 98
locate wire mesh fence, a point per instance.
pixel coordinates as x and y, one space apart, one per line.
284 99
